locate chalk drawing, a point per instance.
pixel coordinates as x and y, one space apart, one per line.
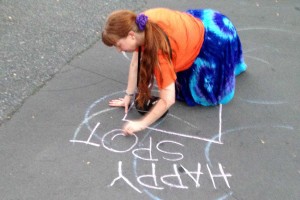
142 152
268 29
220 122
149 131
125 55
261 48
225 196
164 179
262 102
258 59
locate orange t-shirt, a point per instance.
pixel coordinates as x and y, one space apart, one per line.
185 33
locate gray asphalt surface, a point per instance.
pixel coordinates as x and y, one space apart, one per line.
64 141
38 38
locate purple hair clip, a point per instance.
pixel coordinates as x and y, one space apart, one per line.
141 21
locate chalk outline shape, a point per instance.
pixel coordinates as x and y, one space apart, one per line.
89 117
186 135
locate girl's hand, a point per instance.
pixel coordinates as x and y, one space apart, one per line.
132 127
121 102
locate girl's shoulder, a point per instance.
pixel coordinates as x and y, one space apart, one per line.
157 14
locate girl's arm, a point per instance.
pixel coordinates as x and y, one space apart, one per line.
167 99
131 85
132 75
132 80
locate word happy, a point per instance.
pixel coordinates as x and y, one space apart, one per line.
175 176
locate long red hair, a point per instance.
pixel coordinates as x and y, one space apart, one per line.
118 25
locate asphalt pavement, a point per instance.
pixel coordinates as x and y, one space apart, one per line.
38 38
59 139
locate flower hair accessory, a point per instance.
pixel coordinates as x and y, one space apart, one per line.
141 21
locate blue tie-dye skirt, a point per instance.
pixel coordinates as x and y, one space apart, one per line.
211 79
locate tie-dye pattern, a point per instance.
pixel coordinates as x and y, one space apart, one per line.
211 79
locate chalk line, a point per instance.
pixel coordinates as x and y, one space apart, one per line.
124 178
85 142
86 120
220 122
259 48
219 175
150 128
151 195
125 55
149 131
186 122
262 102
184 135
225 196
92 133
135 162
177 133
114 150
88 117
258 59
267 29
94 104
208 145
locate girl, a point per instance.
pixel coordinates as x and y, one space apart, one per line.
194 57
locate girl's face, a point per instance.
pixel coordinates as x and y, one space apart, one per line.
127 44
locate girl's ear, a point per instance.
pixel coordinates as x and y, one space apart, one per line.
131 34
